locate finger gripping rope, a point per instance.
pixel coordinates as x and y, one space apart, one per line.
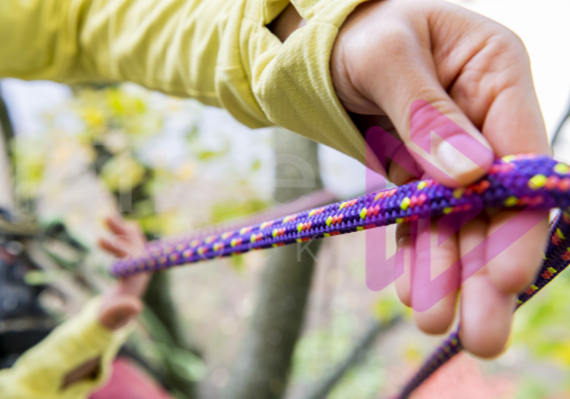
523 181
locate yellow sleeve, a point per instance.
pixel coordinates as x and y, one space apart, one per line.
217 51
40 371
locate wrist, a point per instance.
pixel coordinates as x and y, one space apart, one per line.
286 23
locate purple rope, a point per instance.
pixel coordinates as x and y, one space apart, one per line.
525 181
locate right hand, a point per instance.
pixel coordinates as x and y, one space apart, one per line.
389 54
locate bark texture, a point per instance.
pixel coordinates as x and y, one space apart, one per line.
261 370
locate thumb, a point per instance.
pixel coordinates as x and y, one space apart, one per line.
439 136
445 143
117 312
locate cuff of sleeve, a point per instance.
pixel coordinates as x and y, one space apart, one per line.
295 88
78 340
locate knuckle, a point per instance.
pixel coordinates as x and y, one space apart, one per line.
395 39
505 41
513 39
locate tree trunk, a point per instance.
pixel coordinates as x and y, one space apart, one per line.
6 135
261 370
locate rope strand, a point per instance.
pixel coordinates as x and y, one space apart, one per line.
522 181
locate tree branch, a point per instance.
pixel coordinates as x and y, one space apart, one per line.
5 120
354 358
556 135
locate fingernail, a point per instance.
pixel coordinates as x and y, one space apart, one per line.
464 158
453 161
402 242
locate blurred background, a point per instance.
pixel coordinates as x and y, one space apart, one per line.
267 324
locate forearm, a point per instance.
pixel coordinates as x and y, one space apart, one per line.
217 51
167 46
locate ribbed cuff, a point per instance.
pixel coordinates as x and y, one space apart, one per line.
295 88
42 369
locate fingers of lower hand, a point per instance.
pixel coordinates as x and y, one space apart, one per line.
498 256
113 247
435 276
486 312
486 316
515 246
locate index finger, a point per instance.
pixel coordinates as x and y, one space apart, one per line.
116 225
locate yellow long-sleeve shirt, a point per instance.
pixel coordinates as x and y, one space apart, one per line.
217 51
40 371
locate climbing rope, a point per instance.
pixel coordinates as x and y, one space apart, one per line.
522 181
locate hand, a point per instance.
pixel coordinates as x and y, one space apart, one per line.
389 54
121 302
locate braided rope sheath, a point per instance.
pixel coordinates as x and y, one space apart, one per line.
536 182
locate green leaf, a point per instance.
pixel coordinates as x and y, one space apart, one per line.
256 165
185 364
206 155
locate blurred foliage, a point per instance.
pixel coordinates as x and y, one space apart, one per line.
531 389
30 157
142 145
223 211
122 173
150 152
163 349
389 306
363 382
541 327
541 322
322 349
